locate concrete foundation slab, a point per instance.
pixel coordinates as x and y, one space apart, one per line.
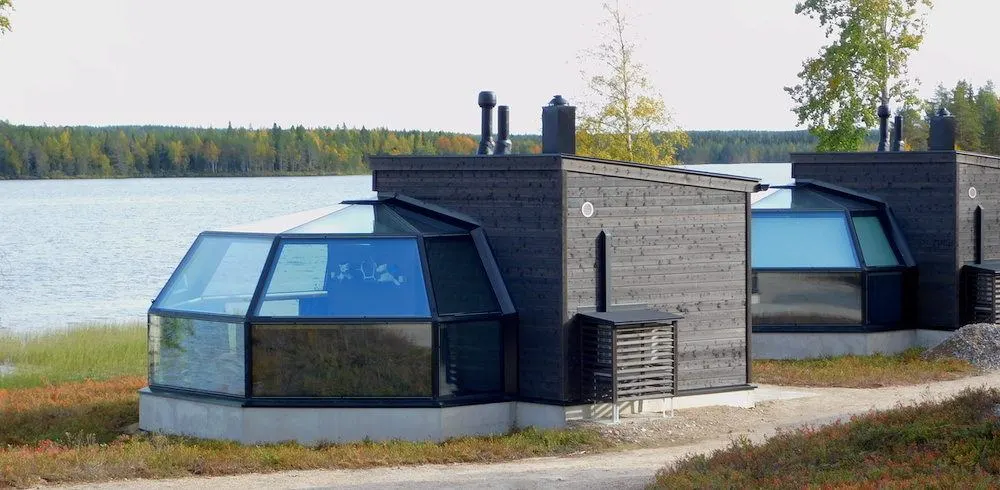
216 419
811 345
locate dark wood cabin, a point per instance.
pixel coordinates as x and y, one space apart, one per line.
935 196
678 243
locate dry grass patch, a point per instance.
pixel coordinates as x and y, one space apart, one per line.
71 433
851 371
953 444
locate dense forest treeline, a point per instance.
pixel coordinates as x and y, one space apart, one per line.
136 151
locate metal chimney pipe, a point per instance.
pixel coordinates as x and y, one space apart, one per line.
897 133
487 101
503 130
883 128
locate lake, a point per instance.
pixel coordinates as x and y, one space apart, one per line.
85 251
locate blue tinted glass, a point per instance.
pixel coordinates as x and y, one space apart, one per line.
346 277
220 276
802 239
875 246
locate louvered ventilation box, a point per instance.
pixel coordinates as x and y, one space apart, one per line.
981 291
628 355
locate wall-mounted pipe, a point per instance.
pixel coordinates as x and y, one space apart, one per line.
503 130
604 297
487 101
979 234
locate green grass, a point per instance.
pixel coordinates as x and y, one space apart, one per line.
861 371
89 352
952 444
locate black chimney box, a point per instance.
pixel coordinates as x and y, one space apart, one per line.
559 127
942 135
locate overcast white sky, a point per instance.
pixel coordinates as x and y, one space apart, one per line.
720 64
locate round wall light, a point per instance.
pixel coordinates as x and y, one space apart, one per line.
973 193
587 209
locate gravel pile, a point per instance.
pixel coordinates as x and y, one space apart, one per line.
978 343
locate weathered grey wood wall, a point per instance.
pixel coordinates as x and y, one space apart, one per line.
518 200
983 173
920 188
679 245
680 241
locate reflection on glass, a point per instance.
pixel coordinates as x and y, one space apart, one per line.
459 281
220 276
425 223
347 278
384 360
806 198
356 218
197 354
471 362
801 240
875 246
797 298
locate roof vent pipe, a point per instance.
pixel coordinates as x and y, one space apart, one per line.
503 130
487 101
883 127
897 133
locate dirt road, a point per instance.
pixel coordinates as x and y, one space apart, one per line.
690 431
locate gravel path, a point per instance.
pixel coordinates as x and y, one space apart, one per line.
690 431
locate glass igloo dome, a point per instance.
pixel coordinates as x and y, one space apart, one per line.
389 301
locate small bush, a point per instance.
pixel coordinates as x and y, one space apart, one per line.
953 444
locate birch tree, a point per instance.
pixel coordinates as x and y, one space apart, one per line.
864 66
629 119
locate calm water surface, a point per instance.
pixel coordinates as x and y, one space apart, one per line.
80 251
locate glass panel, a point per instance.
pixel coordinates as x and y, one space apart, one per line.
457 276
219 277
356 218
875 246
849 203
794 198
197 354
383 360
471 358
347 277
801 240
426 224
797 298
885 298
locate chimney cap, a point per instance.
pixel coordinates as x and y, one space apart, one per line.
558 100
487 98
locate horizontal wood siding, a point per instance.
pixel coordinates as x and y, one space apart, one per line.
518 200
983 173
676 246
920 188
